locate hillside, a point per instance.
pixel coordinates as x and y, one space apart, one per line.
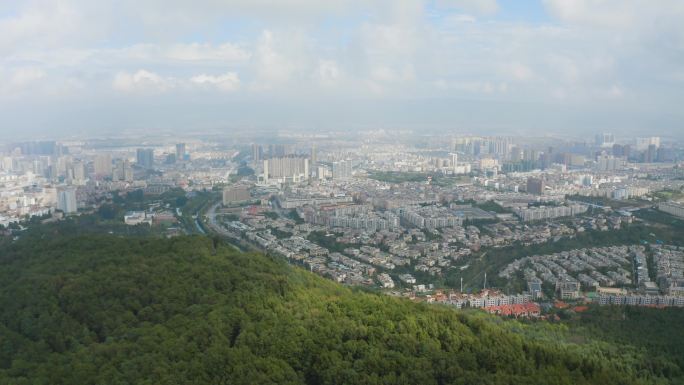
99 309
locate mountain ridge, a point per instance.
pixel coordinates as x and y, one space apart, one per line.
102 309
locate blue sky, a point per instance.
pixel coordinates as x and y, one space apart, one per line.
490 66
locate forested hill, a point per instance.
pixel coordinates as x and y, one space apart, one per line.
110 310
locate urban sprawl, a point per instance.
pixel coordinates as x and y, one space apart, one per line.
408 214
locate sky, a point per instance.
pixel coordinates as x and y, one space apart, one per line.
571 67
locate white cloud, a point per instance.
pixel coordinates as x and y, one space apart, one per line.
389 39
142 81
226 82
32 82
484 87
46 24
565 68
278 58
193 52
328 73
477 6
520 71
388 74
616 91
610 13
635 18
461 18
23 77
305 50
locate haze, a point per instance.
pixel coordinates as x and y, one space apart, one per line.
508 67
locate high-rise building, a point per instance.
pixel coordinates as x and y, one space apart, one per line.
286 169
122 171
342 169
314 156
619 150
531 155
322 172
52 172
643 143
672 208
605 162
76 173
546 158
535 186
66 200
499 146
38 148
651 153
280 150
605 140
6 163
145 158
665 155
257 153
62 163
103 165
516 154
586 180
41 165
454 162
180 152
235 194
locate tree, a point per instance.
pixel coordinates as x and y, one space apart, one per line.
82 309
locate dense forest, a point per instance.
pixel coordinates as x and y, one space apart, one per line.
106 309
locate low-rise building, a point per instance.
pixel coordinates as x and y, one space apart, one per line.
133 218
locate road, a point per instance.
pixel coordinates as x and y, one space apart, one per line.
235 239
199 227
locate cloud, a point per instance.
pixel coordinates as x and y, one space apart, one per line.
21 81
520 71
182 13
388 47
278 58
142 81
388 74
303 51
477 6
462 18
328 73
611 13
475 87
637 15
616 91
226 82
46 24
193 52
23 77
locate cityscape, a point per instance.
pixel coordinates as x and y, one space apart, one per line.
405 214
377 192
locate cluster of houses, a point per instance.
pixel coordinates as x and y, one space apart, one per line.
592 267
641 300
493 301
